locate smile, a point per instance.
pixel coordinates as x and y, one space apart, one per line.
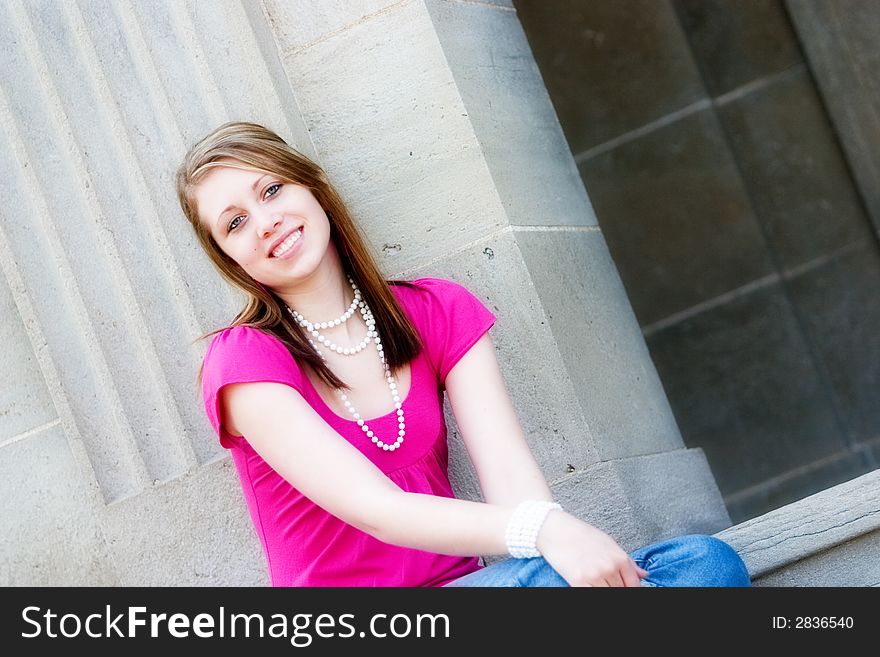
287 244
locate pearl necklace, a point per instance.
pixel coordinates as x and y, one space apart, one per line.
372 335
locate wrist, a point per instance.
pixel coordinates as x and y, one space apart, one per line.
524 527
548 529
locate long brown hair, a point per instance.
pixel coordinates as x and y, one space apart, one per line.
254 147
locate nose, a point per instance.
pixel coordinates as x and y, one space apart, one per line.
268 224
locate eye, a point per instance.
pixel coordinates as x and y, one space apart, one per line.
235 223
271 190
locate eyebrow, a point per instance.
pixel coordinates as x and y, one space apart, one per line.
229 207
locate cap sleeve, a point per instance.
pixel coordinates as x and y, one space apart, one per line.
454 319
242 354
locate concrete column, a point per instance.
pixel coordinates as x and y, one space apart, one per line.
432 119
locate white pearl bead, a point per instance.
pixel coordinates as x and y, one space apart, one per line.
371 336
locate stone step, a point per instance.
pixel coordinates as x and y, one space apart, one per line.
831 538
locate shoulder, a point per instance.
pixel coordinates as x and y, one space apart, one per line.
241 334
452 319
444 306
244 354
244 347
431 292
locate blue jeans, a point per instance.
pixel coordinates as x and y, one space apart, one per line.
692 560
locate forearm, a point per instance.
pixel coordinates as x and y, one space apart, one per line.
520 480
442 525
490 428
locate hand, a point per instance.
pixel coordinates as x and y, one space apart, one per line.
584 555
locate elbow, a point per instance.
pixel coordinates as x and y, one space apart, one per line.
380 517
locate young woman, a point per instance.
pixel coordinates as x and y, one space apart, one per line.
328 391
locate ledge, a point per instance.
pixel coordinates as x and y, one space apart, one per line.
808 526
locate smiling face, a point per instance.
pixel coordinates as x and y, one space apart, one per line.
276 231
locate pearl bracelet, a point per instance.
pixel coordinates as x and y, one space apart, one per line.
522 530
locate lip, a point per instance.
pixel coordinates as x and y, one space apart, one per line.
275 244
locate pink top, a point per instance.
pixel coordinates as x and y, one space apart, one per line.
304 545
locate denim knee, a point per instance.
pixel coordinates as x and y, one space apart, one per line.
719 563
692 560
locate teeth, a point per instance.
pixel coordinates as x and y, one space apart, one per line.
286 245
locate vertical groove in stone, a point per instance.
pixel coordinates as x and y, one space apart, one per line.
111 446
40 346
158 95
175 63
219 111
143 348
184 317
180 35
158 90
268 59
103 160
249 89
114 309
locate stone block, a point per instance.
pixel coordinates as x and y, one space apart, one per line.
744 386
676 217
425 192
610 67
646 499
27 404
51 535
838 304
735 43
600 342
512 116
596 495
839 39
796 484
194 531
798 179
672 494
299 23
533 369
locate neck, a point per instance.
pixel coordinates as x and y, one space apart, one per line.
323 301
325 297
